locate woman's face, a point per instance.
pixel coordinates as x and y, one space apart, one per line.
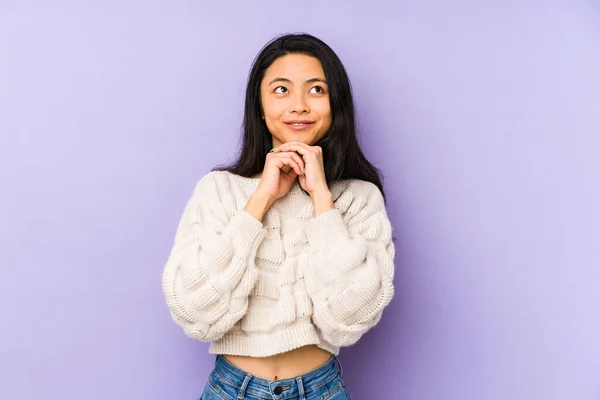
295 100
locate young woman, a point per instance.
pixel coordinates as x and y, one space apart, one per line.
285 256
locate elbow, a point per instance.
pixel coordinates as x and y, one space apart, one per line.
347 334
342 326
198 329
209 324
346 339
202 332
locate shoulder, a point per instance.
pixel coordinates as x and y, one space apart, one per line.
362 206
357 190
221 179
225 187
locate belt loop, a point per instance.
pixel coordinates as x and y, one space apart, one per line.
300 388
242 392
339 365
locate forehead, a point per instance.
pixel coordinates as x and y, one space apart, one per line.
295 67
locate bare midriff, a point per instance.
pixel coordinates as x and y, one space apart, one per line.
284 365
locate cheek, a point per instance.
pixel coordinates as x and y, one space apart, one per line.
326 118
273 109
323 108
271 114
267 103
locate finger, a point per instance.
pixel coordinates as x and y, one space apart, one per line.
305 150
295 143
295 156
287 160
298 159
292 174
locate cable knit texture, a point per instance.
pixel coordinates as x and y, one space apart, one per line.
259 289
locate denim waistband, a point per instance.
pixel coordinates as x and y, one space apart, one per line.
297 386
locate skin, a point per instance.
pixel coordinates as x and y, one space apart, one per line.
292 89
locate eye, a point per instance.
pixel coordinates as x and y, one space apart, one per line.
317 90
280 89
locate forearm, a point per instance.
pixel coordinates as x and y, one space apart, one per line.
210 274
323 201
258 204
350 269
349 288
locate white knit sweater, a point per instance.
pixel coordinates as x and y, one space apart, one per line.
259 289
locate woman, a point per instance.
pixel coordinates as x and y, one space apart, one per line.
287 255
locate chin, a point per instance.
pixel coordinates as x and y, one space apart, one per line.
309 142
300 137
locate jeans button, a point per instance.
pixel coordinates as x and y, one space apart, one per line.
278 390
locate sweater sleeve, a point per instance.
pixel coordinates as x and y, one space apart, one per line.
350 270
210 271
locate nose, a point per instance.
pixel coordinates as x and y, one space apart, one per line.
298 104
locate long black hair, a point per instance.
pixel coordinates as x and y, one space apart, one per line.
342 155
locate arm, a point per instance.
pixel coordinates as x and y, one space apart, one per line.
210 271
350 270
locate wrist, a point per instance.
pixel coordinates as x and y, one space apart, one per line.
262 196
323 201
321 192
258 204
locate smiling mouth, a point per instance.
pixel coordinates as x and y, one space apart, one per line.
299 125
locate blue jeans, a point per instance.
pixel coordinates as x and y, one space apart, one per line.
228 382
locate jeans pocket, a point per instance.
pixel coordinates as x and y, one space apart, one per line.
213 390
209 394
337 389
340 394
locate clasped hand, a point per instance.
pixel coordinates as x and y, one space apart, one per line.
305 163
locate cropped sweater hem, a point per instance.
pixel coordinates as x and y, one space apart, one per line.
301 333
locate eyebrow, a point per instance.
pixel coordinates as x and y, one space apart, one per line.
312 80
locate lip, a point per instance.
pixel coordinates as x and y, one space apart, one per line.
299 125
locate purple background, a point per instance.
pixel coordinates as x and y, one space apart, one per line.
484 117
